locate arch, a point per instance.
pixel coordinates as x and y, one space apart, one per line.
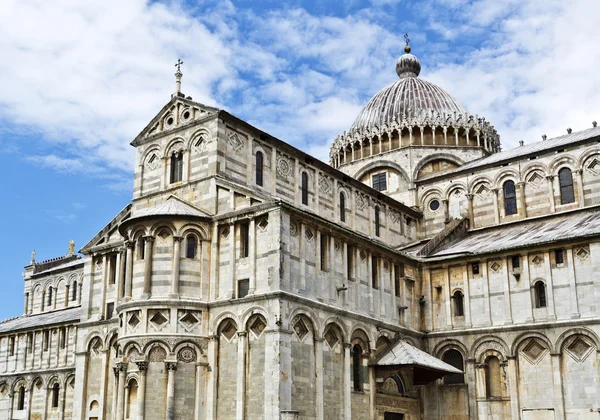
152 148
194 228
458 303
55 394
191 246
127 347
381 164
453 187
533 167
176 145
454 358
447 344
111 337
587 154
253 310
186 344
336 328
433 158
157 227
54 379
477 180
359 336
357 371
155 343
22 382
429 192
539 288
524 337
197 134
132 376
485 344
38 380
90 339
493 377
562 160
566 336
505 174
309 314
223 316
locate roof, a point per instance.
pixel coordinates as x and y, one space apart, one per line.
68 264
522 151
404 354
172 206
40 320
572 225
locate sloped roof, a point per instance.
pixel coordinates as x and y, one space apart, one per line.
40 320
522 151
577 224
172 206
404 354
68 264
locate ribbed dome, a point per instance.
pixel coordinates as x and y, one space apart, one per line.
408 96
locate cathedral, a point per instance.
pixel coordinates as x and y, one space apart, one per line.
424 273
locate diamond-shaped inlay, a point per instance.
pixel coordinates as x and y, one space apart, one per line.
482 192
200 143
225 232
96 347
228 329
579 349
495 266
582 253
594 166
164 234
361 201
235 141
324 185
331 338
258 326
301 329
153 161
189 320
363 255
535 179
534 350
262 225
309 234
537 260
134 320
158 319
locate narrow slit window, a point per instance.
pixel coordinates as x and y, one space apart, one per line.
190 246
176 167
356 367
540 294
459 303
74 291
375 272
377 221
324 252
510 198
244 240
259 168
55 394
342 207
565 180
559 257
304 188
350 261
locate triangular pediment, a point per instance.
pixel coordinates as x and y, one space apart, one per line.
108 232
172 206
178 112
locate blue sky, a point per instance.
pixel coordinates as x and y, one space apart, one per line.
79 80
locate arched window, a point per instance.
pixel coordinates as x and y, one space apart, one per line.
74 291
55 393
259 168
357 367
131 402
565 179
141 248
21 396
342 207
377 230
459 303
455 359
510 198
304 188
176 167
493 378
190 246
540 294
50 296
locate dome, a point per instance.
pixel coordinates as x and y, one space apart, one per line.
406 97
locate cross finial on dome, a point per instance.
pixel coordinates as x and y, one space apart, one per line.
407 65
407 39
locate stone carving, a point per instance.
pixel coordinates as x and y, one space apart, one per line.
534 351
324 184
482 192
258 326
361 201
594 166
152 161
390 386
263 224
171 366
394 216
157 354
331 338
537 260
338 247
234 140
535 179
186 355
133 354
582 253
283 166
309 234
495 266
200 143
142 366
301 329
579 349
294 229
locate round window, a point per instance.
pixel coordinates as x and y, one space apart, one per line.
434 205
186 115
170 121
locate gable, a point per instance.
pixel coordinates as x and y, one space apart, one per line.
108 232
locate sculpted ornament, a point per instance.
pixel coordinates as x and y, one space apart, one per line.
283 166
186 355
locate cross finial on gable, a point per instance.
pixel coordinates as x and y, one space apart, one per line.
178 75
178 65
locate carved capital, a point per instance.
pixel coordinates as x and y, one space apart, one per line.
129 244
177 238
142 365
171 366
242 333
149 238
549 177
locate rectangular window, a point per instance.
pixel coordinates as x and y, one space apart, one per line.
112 271
379 181
176 167
63 338
375 272
11 346
141 248
475 268
377 221
398 274
46 343
244 240
30 343
558 256
516 262
324 252
110 308
350 261
243 287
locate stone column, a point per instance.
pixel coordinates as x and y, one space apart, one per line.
199 402
241 375
523 210
171 366
471 380
347 382
370 281
120 370
119 275
559 404
105 270
513 387
231 291
496 209
331 268
141 393
580 193
115 395
11 401
149 240
252 255
128 269
470 207
176 261
319 377
550 179
381 285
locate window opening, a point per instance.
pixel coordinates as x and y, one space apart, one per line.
459 303
350 261
21 402
176 167
324 252
74 286
375 272
379 181
259 168
243 288
356 367
493 380
304 188
342 207
559 256
377 224
540 294
475 268
244 240
516 262
190 246
565 180
55 392
455 359
510 198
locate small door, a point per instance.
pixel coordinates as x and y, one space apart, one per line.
393 416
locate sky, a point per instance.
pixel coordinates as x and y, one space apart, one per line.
79 80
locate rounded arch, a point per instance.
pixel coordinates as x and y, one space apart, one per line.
54 379
201 132
176 144
136 231
431 192
49 283
453 187
251 311
572 332
155 343
522 338
532 167
450 344
158 227
37 288
477 181
151 149
337 328
309 314
193 228
17 383
222 317
132 376
504 175
72 279
434 157
587 154
486 343
38 380
129 346
360 336
92 336
381 164
188 344
562 161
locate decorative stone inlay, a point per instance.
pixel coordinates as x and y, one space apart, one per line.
361 201
263 224
157 354
579 349
158 318
537 260
283 166
535 179
534 351
228 329
594 166
38 384
363 255
394 216
186 355
390 386
324 184
164 234
225 232
189 320
235 141
294 229
133 354
258 326
582 253
495 266
482 192
200 143
331 338
134 321
386 266
96 347
338 247
152 162
186 114
301 329
309 234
